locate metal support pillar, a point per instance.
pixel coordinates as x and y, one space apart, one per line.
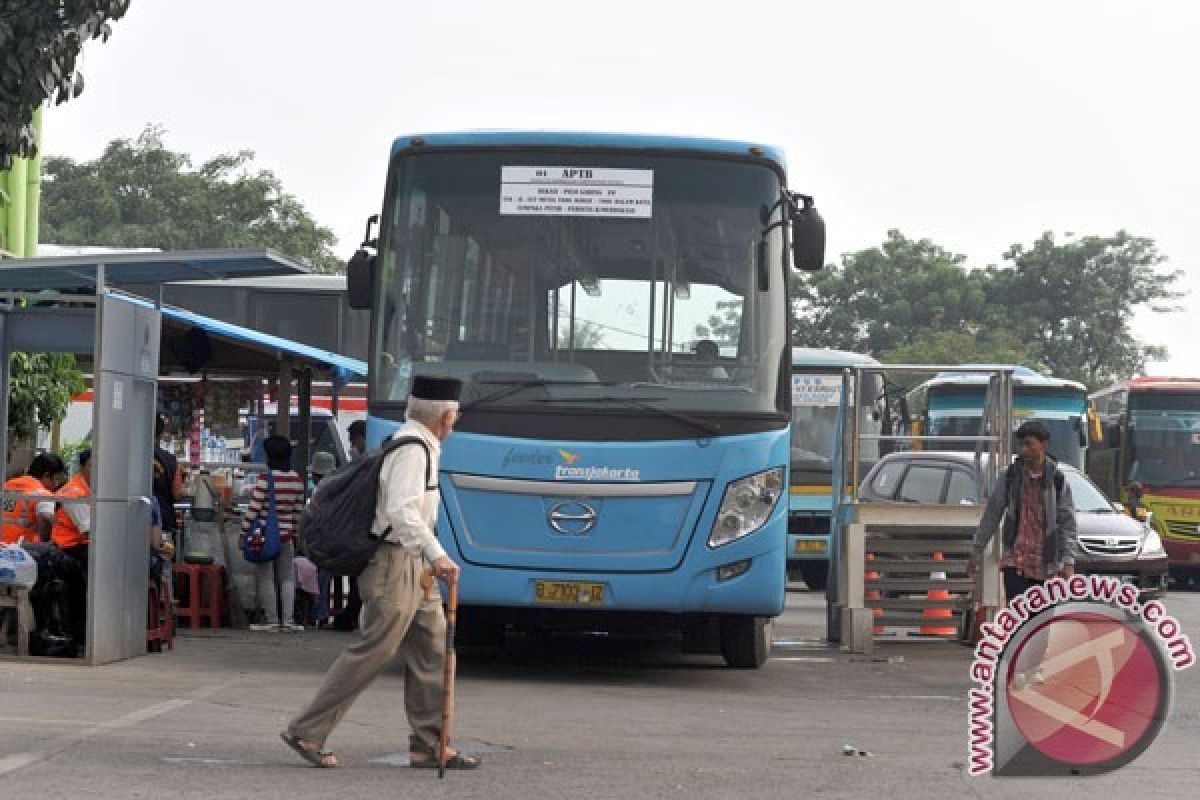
303 457
5 363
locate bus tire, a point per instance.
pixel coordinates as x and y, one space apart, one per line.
745 641
815 574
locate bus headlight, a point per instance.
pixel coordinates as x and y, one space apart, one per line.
747 504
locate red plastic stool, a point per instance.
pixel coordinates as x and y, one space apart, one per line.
200 594
160 622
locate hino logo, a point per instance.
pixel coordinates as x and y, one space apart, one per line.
572 518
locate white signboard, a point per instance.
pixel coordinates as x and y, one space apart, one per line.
816 390
577 192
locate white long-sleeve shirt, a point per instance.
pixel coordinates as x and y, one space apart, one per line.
405 505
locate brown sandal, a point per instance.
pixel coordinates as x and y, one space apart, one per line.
322 759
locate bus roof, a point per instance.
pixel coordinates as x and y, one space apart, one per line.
825 357
1153 383
616 141
1022 377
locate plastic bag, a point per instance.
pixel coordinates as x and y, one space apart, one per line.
17 567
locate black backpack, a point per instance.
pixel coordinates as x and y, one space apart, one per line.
336 526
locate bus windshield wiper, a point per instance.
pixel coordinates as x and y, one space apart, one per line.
710 428
513 387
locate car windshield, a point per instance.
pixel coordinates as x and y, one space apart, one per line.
1087 496
1064 442
501 269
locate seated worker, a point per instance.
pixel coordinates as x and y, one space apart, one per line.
72 527
32 520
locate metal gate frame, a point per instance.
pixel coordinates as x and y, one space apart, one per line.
848 619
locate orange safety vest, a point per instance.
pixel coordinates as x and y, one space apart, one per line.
65 533
20 516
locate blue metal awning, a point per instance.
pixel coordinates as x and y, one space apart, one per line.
344 368
82 272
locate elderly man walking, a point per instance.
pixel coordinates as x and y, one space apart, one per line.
1034 498
402 609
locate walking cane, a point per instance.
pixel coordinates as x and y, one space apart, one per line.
448 677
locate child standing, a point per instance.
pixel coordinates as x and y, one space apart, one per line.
277 579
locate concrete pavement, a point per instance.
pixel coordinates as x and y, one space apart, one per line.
562 717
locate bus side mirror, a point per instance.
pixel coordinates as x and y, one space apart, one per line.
808 235
360 271
360 279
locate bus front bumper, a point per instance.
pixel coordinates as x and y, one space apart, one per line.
740 578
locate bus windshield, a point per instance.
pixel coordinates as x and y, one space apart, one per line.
1065 444
1165 439
499 268
815 402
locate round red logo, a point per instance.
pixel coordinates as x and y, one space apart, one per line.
1086 689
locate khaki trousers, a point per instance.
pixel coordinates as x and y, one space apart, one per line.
396 618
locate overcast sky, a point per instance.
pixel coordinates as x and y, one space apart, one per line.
975 125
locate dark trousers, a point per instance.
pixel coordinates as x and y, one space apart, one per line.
1015 583
77 595
347 618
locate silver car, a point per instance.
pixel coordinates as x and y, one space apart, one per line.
1110 541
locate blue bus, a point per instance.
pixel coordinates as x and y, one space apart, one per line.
816 403
617 307
951 404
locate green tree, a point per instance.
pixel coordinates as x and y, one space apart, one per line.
889 297
139 193
994 346
588 336
725 326
1075 302
40 390
40 42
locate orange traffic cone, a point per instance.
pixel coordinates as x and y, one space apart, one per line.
873 594
938 613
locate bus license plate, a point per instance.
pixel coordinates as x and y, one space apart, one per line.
569 593
810 547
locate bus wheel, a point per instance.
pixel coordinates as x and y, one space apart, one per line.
815 574
745 641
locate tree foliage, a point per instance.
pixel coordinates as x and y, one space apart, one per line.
1076 302
40 42
139 193
587 336
725 326
1063 308
881 298
40 391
